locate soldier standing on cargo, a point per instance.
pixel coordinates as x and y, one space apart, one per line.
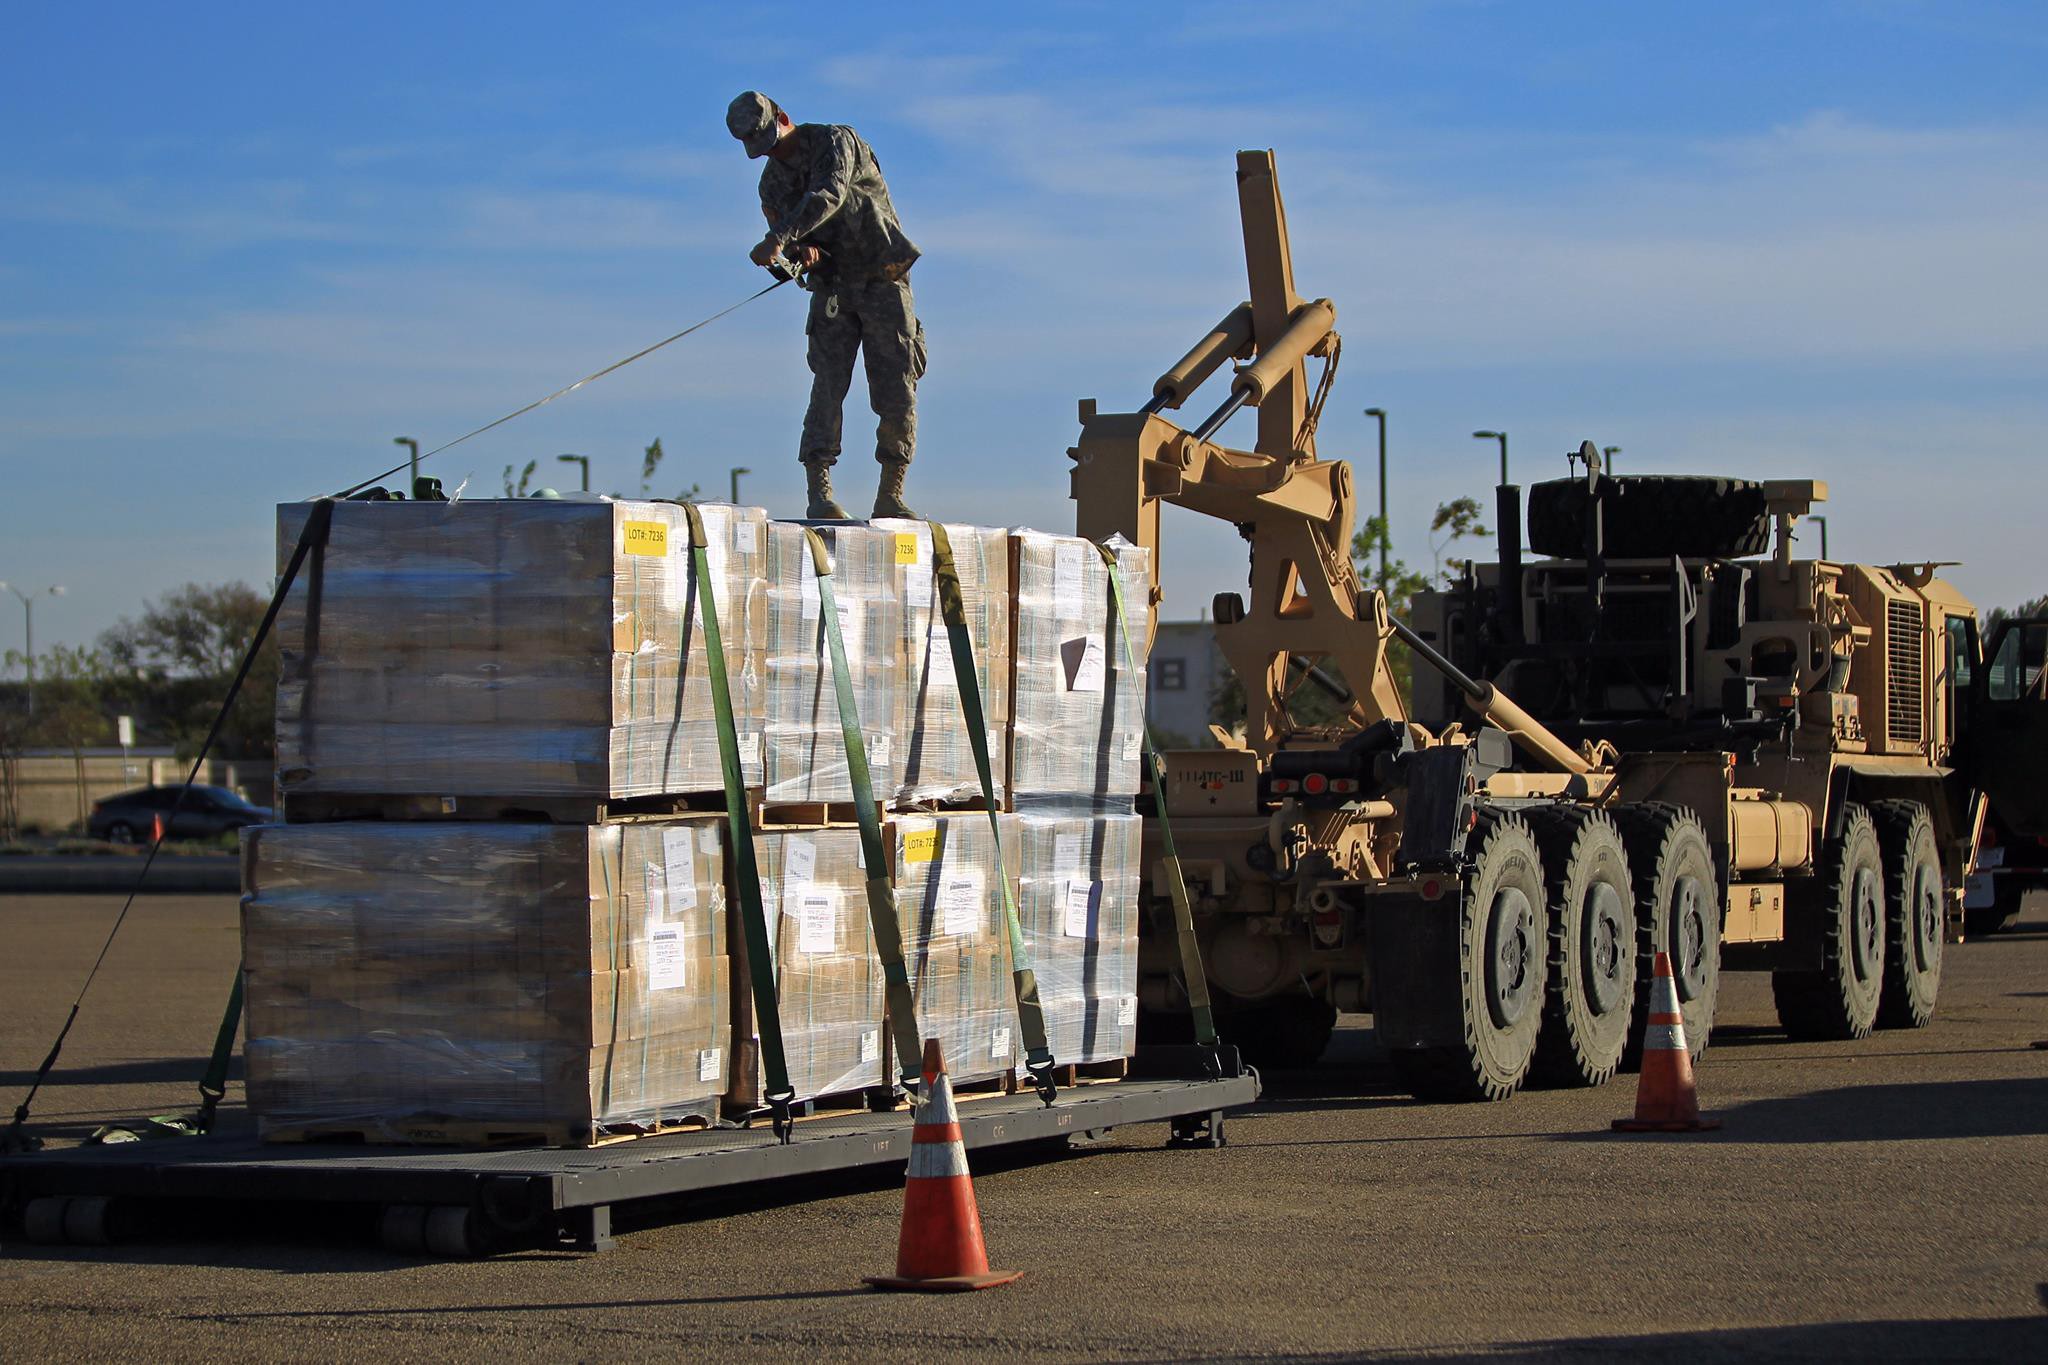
828 211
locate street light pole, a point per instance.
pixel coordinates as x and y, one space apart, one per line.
28 612
584 461
736 484
1610 452
1386 530
411 489
1822 522
1502 437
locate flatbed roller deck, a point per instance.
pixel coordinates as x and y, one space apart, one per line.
466 1201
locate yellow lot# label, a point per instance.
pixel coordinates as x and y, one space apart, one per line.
921 846
906 547
646 538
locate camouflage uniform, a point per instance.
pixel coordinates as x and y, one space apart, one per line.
830 195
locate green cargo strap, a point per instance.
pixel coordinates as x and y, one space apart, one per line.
1038 1059
1196 983
746 873
881 884
214 1085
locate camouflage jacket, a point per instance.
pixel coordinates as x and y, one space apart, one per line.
830 195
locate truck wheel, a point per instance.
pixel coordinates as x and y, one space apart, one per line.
2000 915
1678 911
1840 1000
1914 901
1502 968
1284 1034
1592 948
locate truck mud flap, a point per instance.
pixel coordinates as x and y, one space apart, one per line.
1414 951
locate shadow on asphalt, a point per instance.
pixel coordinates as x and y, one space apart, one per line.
1933 1111
2013 1338
147 1071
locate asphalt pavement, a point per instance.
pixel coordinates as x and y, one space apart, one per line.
1882 1199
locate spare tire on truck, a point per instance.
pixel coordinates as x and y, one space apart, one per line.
1653 516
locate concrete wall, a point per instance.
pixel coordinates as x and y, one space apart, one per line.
54 792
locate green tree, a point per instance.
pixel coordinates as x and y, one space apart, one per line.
177 658
520 487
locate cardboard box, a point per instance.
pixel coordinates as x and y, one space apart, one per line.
515 647
407 980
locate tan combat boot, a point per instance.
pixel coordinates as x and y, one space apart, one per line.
818 480
889 495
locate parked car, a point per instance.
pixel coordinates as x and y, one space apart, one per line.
208 811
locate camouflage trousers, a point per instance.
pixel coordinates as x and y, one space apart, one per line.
876 319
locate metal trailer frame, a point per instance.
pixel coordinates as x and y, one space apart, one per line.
456 1202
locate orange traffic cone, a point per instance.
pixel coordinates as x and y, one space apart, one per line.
940 1248
1666 1099
156 827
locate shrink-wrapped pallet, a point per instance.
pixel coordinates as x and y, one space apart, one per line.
469 982
1079 897
1077 720
827 979
954 938
515 647
934 753
806 748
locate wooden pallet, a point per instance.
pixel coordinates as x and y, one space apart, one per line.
327 807
808 813
1090 1073
435 1132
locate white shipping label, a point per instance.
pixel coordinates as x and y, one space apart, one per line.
1069 575
817 922
1126 1011
710 1063
1085 663
745 535
1077 907
999 1044
939 658
963 901
1134 743
799 864
871 1045
679 861
668 968
1066 852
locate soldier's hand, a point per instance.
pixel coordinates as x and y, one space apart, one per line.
802 257
765 251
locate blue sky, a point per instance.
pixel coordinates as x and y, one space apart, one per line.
242 247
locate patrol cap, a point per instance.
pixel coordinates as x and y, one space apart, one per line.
751 117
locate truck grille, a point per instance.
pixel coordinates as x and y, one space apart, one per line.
1905 699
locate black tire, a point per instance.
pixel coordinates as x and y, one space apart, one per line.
42 1222
1591 986
1281 1035
403 1228
1653 516
1679 908
1915 907
120 832
2002 914
1502 970
1839 1002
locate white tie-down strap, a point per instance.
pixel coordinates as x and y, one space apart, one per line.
935 1159
938 1107
1663 995
1664 1038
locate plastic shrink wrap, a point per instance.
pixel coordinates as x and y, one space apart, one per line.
829 984
1079 901
806 749
935 757
505 647
1078 715
955 940
456 982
